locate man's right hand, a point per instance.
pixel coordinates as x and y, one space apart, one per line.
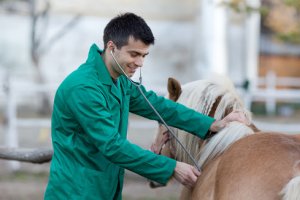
186 174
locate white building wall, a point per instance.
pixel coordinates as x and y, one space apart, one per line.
227 42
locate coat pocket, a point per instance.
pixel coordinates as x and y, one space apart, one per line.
98 184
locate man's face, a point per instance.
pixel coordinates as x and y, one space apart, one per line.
130 57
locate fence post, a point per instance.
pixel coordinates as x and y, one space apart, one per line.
270 90
11 139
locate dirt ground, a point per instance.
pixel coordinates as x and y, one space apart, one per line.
30 182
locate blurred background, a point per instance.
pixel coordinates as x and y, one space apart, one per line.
254 42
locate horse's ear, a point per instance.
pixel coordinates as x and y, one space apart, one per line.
174 89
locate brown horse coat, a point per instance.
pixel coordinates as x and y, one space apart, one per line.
253 168
260 166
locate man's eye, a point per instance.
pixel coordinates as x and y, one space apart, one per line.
134 54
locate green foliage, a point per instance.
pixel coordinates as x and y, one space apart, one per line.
293 3
264 11
240 7
291 37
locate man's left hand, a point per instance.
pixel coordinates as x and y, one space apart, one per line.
233 116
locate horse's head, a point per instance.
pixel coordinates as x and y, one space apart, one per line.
213 98
161 145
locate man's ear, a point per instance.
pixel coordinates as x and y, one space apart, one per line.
111 46
174 89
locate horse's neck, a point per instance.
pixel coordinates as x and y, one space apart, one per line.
221 141
210 99
297 137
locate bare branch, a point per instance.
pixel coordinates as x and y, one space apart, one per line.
64 30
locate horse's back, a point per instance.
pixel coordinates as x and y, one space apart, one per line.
255 167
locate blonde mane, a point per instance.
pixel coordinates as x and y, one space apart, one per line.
200 96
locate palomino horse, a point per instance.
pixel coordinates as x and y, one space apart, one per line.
239 162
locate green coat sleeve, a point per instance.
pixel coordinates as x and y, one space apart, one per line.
88 105
174 114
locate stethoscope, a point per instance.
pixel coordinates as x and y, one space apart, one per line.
138 85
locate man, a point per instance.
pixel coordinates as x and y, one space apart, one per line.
90 118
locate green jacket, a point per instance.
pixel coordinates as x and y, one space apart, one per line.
89 130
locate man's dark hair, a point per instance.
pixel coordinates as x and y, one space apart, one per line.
120 28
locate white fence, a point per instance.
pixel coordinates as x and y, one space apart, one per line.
267 90
15 93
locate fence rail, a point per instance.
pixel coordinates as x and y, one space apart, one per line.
272 89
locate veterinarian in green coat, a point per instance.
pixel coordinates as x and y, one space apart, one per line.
90 119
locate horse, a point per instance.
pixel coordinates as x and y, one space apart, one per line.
240 162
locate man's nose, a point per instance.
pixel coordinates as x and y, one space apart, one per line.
139 61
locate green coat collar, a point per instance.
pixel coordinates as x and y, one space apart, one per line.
94 57
103 74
